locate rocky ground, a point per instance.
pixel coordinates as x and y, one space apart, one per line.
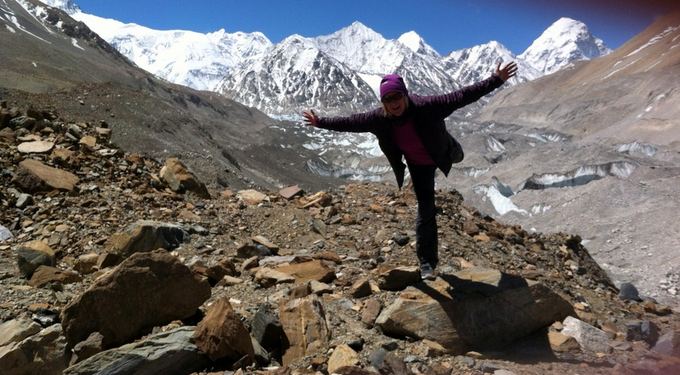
283 281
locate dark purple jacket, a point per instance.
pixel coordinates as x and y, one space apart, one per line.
428 114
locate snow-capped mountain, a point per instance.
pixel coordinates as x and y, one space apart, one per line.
330 72
564 42
372 56
467 65
294 74
200 61
188 58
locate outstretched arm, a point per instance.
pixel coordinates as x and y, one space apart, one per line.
444 105
358 123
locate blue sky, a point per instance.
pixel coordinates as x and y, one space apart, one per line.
445 25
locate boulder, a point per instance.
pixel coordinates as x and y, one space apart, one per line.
590 338
35 147
86 349
86 263
628 292
88 142
264 241
397 278
25 122
5 234
476 308
42 353
361 288
669 343
33 175
44 275
170 352
342 356
16 330
253 250
251 197
62 155
290 192
180 179
146 235
307 271
644 330
7 135
560 342
267 277
33 254
371 311
221 334
304 323
144 291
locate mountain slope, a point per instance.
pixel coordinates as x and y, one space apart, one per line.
627 95
51 60
592 150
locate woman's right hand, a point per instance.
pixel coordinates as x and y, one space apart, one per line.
311 119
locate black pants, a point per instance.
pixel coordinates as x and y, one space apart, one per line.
422 177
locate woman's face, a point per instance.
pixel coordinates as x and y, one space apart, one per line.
395 103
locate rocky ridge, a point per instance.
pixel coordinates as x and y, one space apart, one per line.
322 282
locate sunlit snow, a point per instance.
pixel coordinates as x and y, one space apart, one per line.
501 204
75 44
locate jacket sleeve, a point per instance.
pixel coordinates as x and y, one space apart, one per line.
357 123
444 105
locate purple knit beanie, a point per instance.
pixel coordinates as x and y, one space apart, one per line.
392 83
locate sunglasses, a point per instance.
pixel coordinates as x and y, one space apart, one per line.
392 97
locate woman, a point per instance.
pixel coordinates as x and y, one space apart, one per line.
412 127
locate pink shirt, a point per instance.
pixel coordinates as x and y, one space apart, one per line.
409 143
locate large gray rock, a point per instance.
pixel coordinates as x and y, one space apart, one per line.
146 290
669 343
476 309
42 353
16 330
170 352
5 234
589 337
146 235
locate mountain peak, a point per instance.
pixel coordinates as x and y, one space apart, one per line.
417 44
357 30
295 38
565 41
411 40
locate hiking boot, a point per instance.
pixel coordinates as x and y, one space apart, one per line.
427 272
